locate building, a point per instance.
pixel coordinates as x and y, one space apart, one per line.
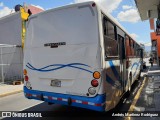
150 10
11 53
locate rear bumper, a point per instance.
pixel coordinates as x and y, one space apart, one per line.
96 103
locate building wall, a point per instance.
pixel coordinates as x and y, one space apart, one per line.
10 29
156 37
11 64
11 58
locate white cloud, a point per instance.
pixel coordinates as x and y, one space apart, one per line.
38 6
71 3
48 8
140 41
125 7
5 11
130 15
135 36
1 4
148 44
109 5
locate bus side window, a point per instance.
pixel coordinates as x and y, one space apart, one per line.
130 44
127 46
130 47
110 43
104 27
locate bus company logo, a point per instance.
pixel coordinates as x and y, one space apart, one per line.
6 114
54 45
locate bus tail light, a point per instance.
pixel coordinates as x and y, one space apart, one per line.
94 83
25 72
96 75
28 85
93 4
26 78
92 90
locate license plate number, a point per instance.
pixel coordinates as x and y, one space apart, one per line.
56 83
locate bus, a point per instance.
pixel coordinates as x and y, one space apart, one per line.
78 55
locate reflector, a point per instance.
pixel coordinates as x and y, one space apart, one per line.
92 90
96 75
25 72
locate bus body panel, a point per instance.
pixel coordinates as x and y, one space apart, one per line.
63 48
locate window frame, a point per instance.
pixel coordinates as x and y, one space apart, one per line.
106 19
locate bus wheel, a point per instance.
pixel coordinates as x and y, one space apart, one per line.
139 76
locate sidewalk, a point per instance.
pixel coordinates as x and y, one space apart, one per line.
149 99
154 71
10 89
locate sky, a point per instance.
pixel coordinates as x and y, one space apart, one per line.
124 11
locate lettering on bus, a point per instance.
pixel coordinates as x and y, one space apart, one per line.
54 45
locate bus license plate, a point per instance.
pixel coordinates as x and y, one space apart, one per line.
56 83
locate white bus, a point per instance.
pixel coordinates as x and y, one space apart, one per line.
77 55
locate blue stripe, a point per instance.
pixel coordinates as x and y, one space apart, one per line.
112 82
109 80
59 66
114 70
137 65
97 99
134 64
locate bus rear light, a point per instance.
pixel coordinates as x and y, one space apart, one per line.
93 4
25 72
94 83
92 90
96 75
28 85
26 78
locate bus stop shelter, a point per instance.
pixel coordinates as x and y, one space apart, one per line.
147 8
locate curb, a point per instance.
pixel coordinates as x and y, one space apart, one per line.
10 93
136 97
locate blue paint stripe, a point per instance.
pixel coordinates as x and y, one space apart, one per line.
114 70
112 82
134 64
97 99
59 66
109 80
137 65
62 65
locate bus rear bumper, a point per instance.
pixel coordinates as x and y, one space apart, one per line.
95 103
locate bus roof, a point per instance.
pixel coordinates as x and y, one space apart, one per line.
83 3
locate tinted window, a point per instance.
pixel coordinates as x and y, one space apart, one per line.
111 45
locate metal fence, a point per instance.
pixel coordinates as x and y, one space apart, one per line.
11 63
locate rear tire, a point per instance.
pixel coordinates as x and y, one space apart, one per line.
139 76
